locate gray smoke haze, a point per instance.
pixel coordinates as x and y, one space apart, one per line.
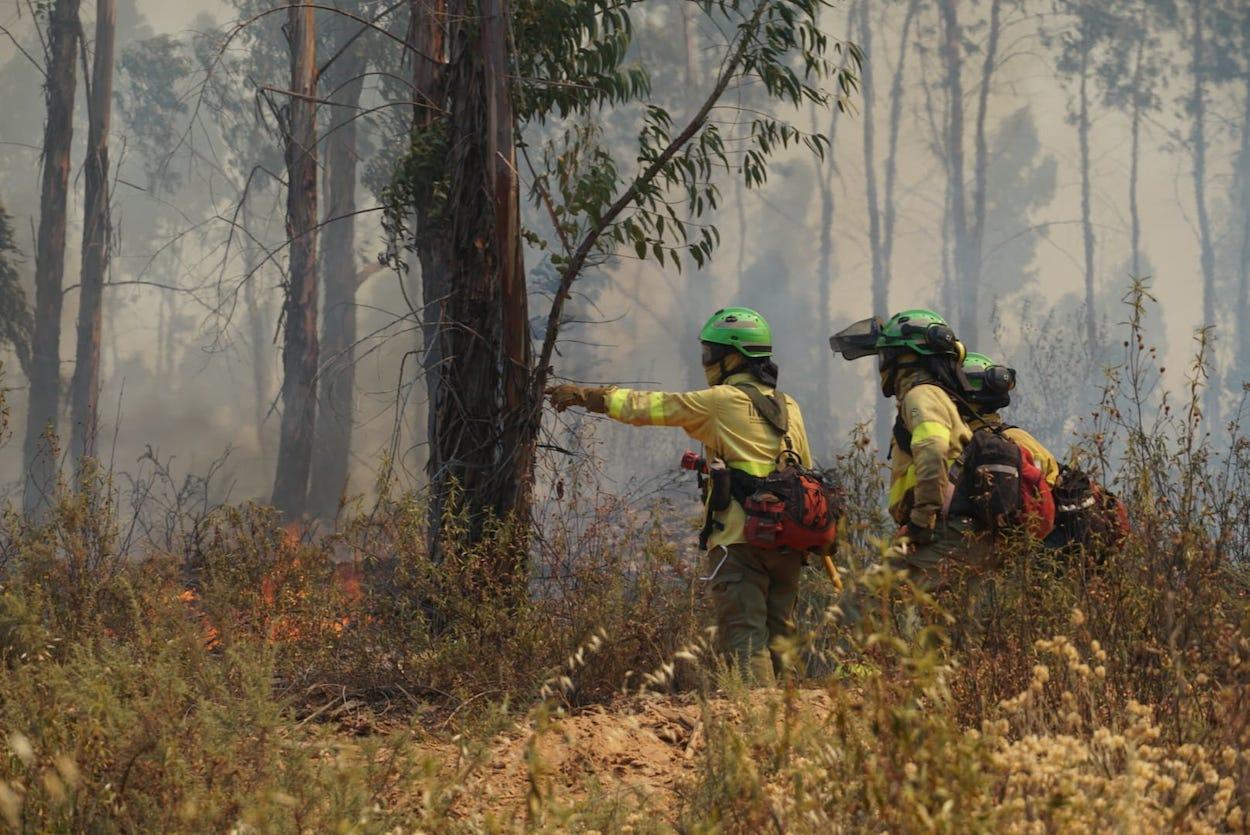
179 358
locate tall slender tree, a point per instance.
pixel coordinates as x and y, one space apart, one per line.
96 239
882 210
981 169
967 293
45 379
337 380
1197 110
300 353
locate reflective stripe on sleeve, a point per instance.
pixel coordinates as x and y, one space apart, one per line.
616 402
930 429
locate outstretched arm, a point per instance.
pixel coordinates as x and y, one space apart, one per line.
693 411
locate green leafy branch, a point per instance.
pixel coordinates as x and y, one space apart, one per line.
780 45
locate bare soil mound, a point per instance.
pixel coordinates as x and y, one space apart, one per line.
640 752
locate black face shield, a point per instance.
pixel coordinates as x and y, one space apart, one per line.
998 379
858 340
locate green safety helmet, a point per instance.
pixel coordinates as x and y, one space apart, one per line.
919 331
990 384
739 328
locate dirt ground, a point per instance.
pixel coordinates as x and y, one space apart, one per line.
640 751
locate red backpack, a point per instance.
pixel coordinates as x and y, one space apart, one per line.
999 486
1088 514
794 506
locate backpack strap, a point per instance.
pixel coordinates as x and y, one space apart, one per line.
773 409
902 437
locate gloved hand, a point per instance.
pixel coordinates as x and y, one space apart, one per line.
590 399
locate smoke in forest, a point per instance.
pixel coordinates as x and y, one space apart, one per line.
1009 164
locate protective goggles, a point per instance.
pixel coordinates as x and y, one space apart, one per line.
713 353
858 340
996 379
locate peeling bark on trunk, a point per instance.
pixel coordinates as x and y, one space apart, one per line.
45 383
483 440
337 380
429 21
96 234
967 291
300 348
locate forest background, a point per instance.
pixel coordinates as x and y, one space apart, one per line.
1083 162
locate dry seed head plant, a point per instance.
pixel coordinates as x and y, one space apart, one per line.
231 674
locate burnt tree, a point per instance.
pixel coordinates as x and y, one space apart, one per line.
39 456
336 385
299 313
96 234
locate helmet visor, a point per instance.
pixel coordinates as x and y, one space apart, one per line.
858 340
999 379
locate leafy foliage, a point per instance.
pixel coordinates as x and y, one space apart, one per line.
150 101
16 319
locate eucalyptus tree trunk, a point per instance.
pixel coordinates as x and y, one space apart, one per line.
481 453
824 270
889 210
1134 208
880 280
39 456
967 292
428 31
1243 259
96 232
1198 147
1087 223
45 380
258 324
976 248
891 159
337 379
299 348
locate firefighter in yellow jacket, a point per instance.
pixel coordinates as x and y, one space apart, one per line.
990 391
920 364
754 590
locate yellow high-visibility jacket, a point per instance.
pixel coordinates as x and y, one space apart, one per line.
920 481
1042 457
725 421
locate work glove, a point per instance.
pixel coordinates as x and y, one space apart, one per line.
590 399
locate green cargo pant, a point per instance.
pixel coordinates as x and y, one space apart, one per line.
956 549
953 567
755 592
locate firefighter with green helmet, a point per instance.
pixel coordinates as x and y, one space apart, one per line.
743 421
920 364
990 385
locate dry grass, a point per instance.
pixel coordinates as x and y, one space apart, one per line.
237 678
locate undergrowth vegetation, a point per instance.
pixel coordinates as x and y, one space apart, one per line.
234 674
